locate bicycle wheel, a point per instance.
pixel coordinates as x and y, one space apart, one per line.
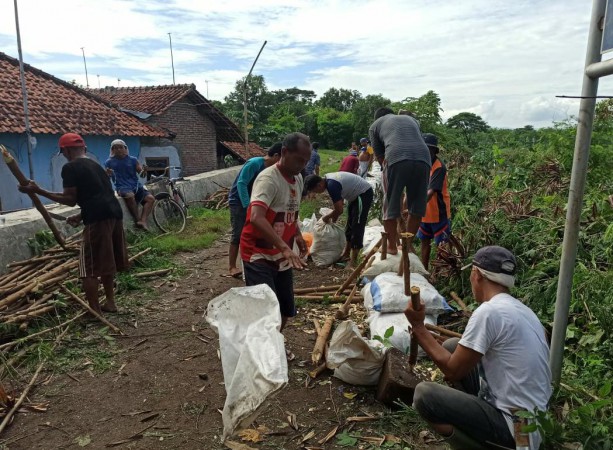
169 216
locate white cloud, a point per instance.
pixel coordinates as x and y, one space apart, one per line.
505 61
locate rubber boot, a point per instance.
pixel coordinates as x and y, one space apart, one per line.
461 441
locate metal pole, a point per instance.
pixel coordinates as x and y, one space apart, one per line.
207 88
98 81
172 60
24 93
245 96
85 64
575 195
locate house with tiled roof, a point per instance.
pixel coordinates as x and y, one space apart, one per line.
56 107
197 128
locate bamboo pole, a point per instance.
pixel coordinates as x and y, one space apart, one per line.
132 258
358 269
317 299
456 298
78 299
35 313
343 310
307 290
443 331
23 181
320 343
317 371
27 262
153 273
383 246
414 347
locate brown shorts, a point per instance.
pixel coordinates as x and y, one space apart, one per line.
103 249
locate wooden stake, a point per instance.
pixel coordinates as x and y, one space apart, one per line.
383 246
21 178
443 331
78 299
416 304
320 343
343 310
358 269
316 372
456 298
132 258
153 273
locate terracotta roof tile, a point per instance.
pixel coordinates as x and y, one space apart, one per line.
56 106
155 100
238 148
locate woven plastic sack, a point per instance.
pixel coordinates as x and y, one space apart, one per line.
328 243
391 263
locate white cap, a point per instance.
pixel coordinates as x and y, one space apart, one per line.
118 142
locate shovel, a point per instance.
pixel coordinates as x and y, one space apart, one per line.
398 378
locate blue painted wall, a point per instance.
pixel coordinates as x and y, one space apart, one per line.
47 164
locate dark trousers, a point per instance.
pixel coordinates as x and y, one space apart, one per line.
460 407
357 216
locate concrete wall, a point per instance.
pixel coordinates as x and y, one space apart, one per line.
47 163
16 228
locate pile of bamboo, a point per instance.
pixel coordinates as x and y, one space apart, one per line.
30 289
217 200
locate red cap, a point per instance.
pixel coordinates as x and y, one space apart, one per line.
71 140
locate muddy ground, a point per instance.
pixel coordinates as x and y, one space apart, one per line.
163 387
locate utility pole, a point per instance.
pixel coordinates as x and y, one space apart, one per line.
207 89
245 96
24 93
98 81
172 61
85 64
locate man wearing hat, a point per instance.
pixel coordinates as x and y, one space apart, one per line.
436 224
498 367
124 170
103 248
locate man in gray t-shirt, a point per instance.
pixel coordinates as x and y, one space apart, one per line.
405 161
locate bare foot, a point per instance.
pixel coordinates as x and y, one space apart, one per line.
235 272
141 225
110 308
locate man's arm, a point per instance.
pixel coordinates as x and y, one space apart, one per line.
68 197
454 366
248 173
436 181
316 170
258 219
377 144
336 212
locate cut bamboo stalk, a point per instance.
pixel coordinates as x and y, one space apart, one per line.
153 273
31 336
7 278
456 298
23 317
358 269
317 326
17 295
320 343
414 347
316 299
318 371
443 331
132 258
343 311
383 246
307 290
23 181
90 310
27 262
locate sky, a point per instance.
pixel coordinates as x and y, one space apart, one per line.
505 61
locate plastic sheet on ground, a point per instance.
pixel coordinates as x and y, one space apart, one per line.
328 243
391 263
386 294
355 360
248 320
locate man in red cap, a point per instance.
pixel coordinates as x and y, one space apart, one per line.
103 248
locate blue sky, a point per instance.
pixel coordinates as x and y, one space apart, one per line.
505 61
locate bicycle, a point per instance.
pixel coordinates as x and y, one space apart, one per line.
170 207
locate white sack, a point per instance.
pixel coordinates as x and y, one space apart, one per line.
328 243
355 360
400 339
386 294
248 320
372 234
308 224
391 263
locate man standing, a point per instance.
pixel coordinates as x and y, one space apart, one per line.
238 200
124 170
312 167
436 224
405 162
365 158
343 186
272 228
498 367
103 248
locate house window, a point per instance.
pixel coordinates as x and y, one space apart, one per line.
156 166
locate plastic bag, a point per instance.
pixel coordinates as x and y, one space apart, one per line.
248 320
328 243
308 224
400 337
391 263
372 234
386 294
355 360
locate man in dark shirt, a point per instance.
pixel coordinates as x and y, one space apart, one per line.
103 248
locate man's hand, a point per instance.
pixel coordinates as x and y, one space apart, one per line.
415 318
328 218
302 246
74 220
31 188
293 259
109 171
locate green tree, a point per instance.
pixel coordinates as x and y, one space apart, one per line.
468 124
363 112
334 128
338 99
259 104
426 108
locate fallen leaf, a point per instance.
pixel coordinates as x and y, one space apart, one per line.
83 441
349 395
361 418
307 436
378 441
250 435
392 439
291 419
329 436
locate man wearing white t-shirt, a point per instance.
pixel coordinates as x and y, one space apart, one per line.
498 367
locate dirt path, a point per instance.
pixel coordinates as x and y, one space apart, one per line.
165 389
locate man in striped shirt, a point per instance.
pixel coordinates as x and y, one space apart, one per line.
405 161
